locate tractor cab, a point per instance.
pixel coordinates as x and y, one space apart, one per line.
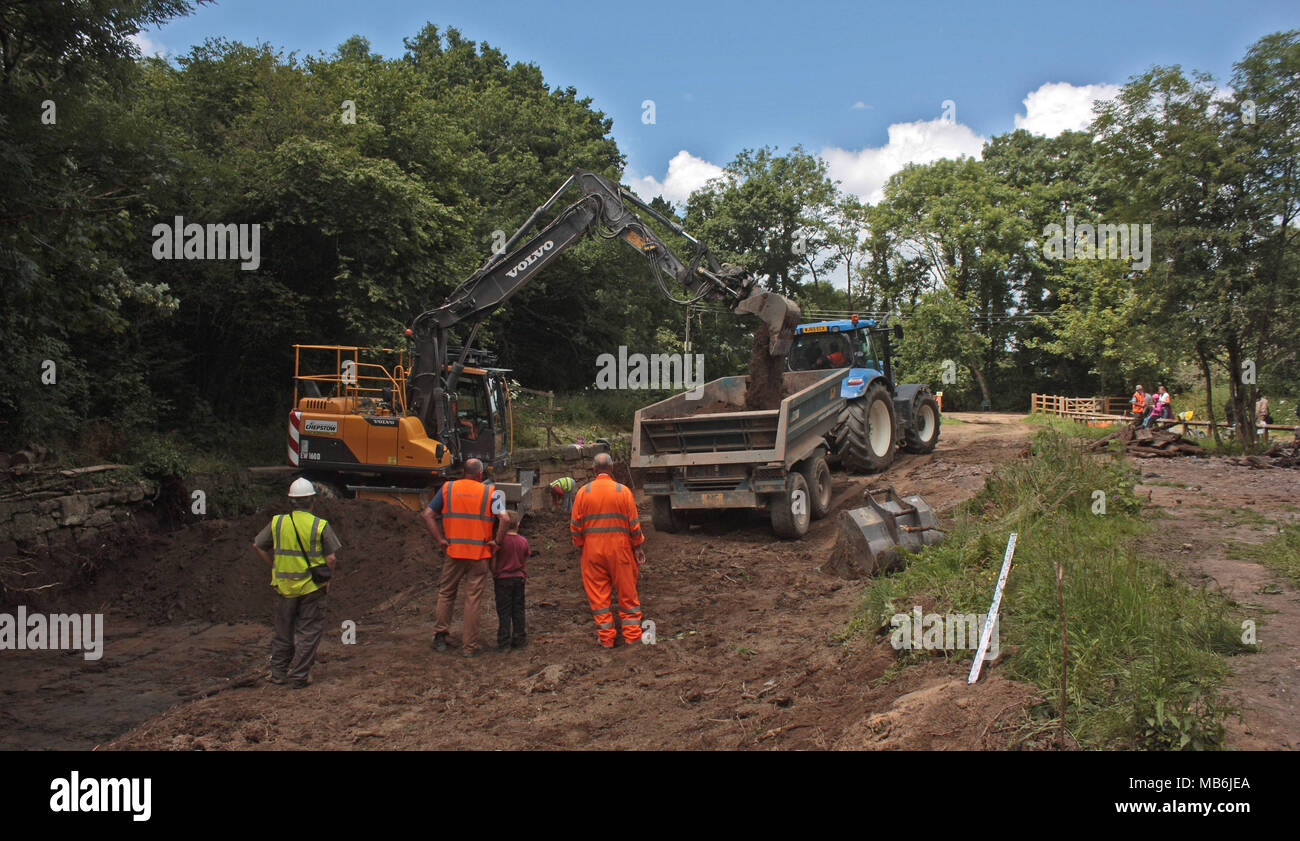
857 344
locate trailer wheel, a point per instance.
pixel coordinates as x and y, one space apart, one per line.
818 476
664 517
865 435
923 432
791 511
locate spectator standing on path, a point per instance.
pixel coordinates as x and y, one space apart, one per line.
1261 410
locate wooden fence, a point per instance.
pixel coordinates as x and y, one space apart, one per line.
1103 411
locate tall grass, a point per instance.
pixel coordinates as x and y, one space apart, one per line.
1145 667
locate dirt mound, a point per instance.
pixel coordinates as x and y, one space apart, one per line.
209 571
944 713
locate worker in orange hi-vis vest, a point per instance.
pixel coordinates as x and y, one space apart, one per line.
604 524
473 533
1138 403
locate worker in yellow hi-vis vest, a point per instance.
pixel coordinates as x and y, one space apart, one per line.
562 491
292 544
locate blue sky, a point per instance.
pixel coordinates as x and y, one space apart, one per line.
862 84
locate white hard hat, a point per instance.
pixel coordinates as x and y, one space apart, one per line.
300 488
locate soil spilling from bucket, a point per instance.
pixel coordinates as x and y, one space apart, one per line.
765 370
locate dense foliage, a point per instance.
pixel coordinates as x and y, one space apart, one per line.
379 183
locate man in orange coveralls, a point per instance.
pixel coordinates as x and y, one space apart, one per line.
604 524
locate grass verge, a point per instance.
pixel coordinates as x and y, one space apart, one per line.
1145 647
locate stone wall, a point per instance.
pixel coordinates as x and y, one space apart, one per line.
549 464
49 519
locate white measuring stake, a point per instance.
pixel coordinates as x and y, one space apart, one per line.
993 612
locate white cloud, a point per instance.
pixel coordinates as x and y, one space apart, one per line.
148 46
865 171
1051 109
686 174
1059 106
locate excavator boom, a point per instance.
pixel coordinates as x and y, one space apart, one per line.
602 206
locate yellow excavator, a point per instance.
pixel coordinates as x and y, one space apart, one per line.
394 423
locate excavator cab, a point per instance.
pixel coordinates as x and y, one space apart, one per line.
482 411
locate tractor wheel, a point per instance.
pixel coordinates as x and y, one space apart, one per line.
791 511
665 518
864 437
923 432
818 476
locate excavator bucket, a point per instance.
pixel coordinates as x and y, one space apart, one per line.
779 313
872 539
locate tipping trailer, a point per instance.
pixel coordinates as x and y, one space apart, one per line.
702 450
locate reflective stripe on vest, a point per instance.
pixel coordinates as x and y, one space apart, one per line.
460 533
589 524
290 573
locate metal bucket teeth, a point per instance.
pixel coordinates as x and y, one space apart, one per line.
871 540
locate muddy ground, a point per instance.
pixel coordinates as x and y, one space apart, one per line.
1213 505
748 654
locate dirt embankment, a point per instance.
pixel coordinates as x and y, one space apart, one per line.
747 652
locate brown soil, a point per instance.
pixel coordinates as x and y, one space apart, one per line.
717 407
765 370
748 653
1211 513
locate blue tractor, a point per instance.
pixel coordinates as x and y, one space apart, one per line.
877 416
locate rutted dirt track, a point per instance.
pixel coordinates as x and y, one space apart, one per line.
1215 504
747 652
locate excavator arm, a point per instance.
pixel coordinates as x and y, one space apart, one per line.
603 207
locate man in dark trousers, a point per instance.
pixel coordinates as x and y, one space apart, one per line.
291 544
